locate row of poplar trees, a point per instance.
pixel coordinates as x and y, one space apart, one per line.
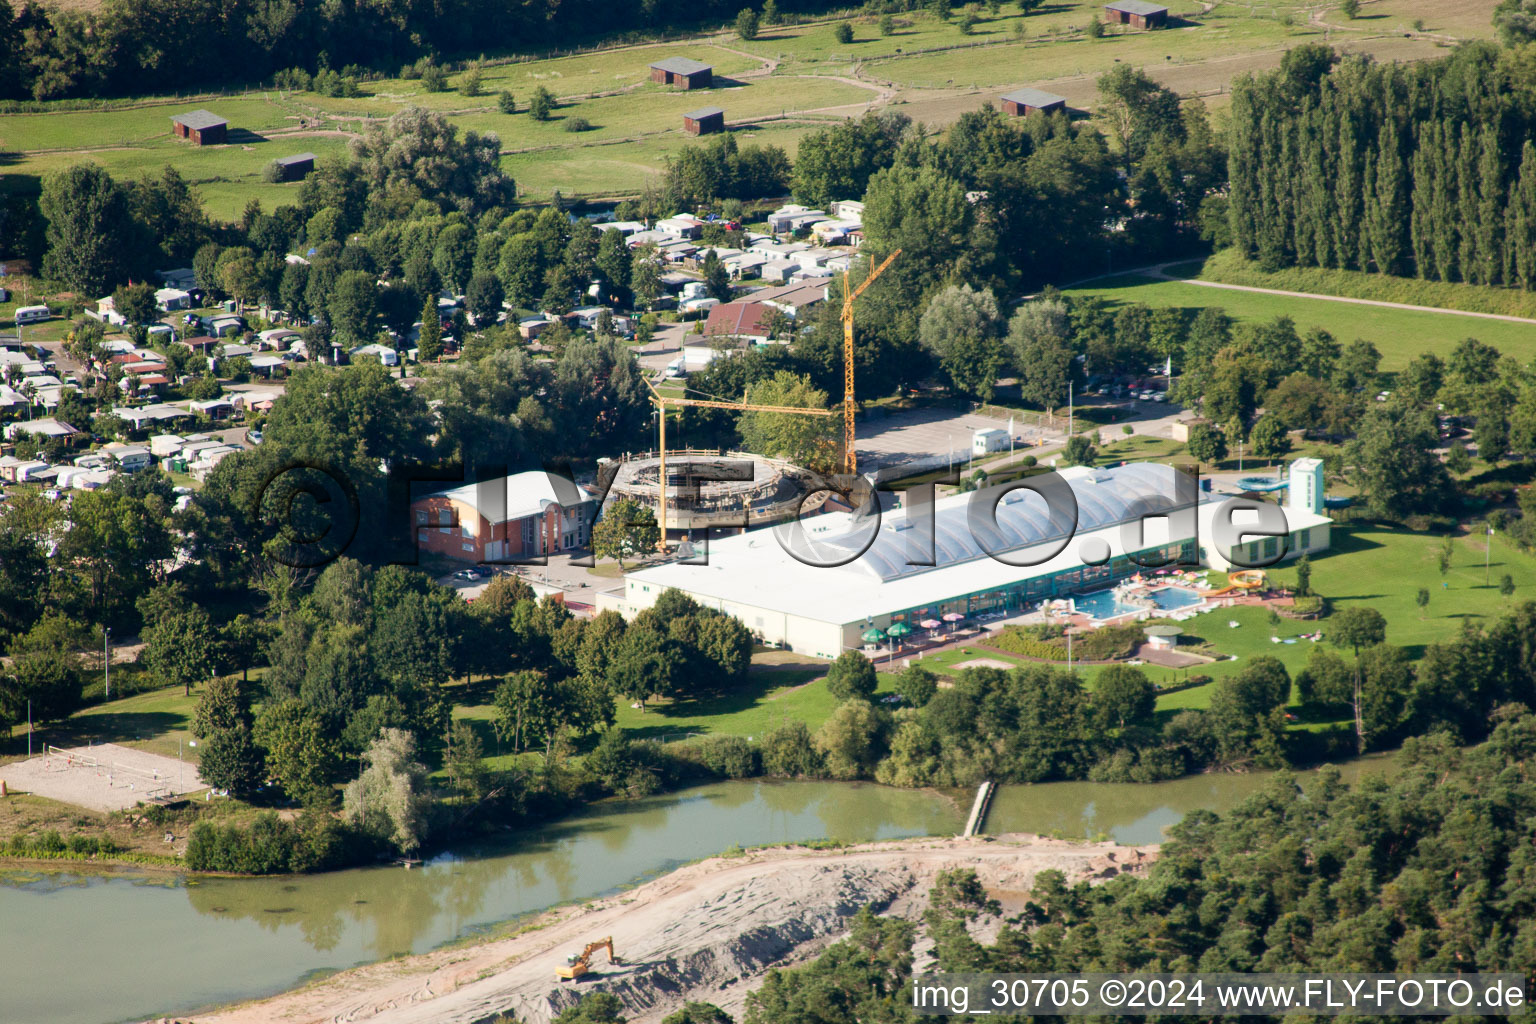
1419 170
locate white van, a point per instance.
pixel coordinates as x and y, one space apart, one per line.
33 314
698 306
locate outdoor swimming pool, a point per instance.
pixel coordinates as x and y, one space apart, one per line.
1103 604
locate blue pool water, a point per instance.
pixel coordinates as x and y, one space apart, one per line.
1171 598
1102 604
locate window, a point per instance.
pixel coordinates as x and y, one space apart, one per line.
469 547
421 517
464 532
445 517
1271 547
1304 540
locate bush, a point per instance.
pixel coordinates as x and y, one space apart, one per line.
292 79
1106 643
851 677
887 24
1095 29
788 751
542 102
272 846
272 173
470 82
729 757
843 33
577 124
434 79
331 83
746 24
505 103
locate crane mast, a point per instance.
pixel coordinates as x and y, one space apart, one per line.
850 457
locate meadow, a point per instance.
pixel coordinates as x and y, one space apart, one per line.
927 67
1399 334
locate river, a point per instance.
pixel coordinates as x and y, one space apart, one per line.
95 948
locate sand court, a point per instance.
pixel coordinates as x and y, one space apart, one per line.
104 777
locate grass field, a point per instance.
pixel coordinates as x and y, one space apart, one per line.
935 71
1463 19
1400 335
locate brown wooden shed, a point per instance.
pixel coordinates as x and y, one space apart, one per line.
200 127
682 72
704 121
1136 13
1021 102
296 167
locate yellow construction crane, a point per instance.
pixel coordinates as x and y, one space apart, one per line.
580 963
850 459
662 401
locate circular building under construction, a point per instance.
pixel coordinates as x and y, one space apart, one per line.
713 488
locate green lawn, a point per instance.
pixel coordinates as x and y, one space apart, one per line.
1399 334
153 721
1042 55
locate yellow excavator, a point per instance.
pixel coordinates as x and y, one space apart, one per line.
578 964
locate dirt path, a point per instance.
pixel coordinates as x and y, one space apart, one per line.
707 931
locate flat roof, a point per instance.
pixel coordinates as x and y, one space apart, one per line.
1135 7
297 158
704 112
681 65
1033 97
199 119
756 569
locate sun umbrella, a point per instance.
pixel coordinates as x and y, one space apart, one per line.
953 616
899 630
873 636
930 623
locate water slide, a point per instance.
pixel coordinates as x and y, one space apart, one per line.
1243 580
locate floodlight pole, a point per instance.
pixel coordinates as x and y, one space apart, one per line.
106 659
1488 558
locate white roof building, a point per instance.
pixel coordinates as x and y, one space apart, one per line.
822 609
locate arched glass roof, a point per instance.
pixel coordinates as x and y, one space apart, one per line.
962 533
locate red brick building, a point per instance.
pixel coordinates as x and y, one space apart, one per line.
682 72
524 515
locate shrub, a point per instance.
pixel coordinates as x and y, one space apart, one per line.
272 173
788 750
730 757
505 103
843 33
541 103
577 124
967 23
470 82
332 83
434 79
746 24
887 24
1095 29
292 79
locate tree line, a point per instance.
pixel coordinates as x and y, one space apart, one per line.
1422 169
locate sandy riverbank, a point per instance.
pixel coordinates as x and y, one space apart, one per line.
707 931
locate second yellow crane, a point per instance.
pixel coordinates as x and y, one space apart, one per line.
850 458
